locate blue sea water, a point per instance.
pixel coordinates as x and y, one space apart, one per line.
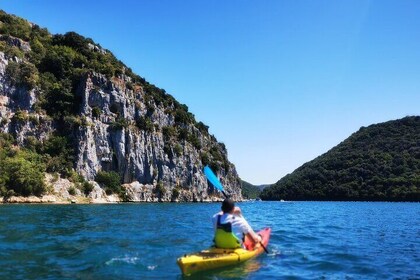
310 240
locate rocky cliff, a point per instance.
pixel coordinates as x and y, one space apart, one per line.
111 120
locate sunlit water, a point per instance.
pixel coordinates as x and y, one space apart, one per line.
310 240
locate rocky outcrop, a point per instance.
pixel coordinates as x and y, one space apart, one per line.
68 89
30 199
16 42
17 114
98 195
138 155
110 139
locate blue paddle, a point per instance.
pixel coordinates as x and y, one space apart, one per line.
216 183
213 179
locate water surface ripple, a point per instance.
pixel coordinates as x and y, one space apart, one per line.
310 240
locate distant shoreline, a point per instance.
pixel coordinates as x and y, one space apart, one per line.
59 200
111 199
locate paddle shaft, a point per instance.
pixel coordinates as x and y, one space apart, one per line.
226 196
263 246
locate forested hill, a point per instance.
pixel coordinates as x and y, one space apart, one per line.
378 163
250 191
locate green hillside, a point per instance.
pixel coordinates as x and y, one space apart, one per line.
250 191
378 163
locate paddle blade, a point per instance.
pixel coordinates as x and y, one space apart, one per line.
212 178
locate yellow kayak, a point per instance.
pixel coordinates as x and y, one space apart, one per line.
216 257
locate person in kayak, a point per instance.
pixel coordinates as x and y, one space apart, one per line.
231 227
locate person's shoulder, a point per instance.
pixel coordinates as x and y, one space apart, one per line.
235 218
241 219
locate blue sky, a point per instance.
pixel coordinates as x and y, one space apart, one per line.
279 82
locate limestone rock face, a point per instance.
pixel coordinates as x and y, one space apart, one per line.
17 42
110 138
31 199
139 156
98 195
17 114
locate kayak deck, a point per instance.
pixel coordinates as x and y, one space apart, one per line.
216 257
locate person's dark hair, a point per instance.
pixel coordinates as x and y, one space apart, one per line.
227 205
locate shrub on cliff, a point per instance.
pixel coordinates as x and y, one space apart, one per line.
175 193
58 154
110 181
144 123
22 74
14 26
159 190
119 123
22 172
87 187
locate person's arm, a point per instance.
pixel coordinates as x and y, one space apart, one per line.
253 236
250 232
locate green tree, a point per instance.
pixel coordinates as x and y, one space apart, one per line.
23 173
110 181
